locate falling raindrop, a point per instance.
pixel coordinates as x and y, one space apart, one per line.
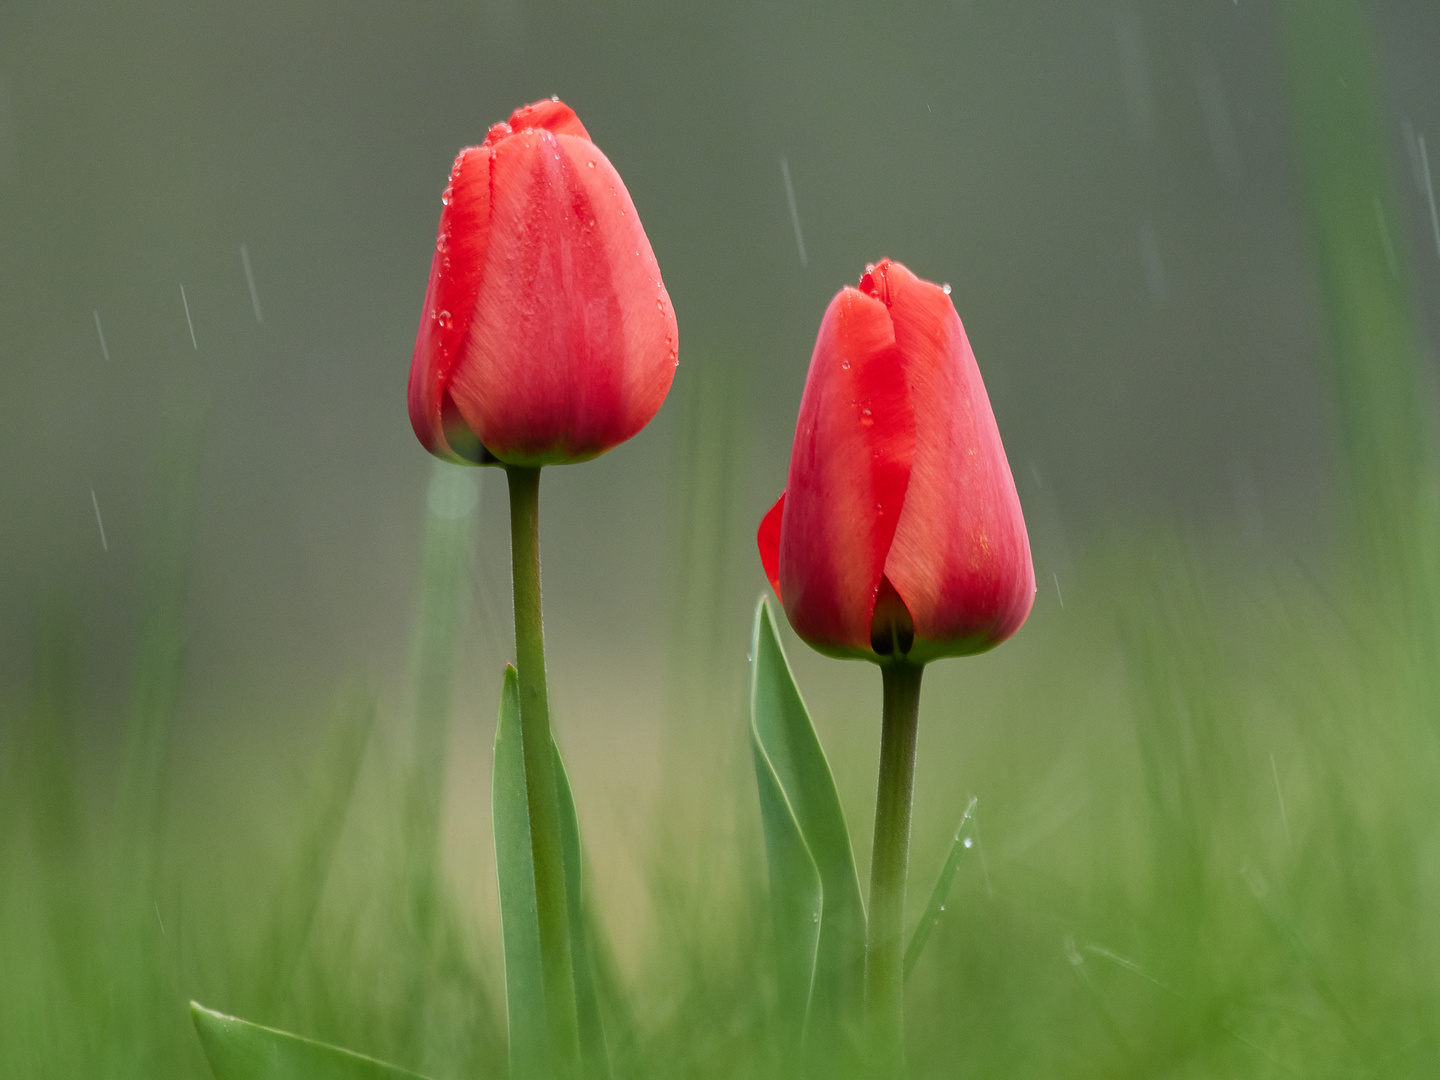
794 211
188 321
1151 261
96 503
250 281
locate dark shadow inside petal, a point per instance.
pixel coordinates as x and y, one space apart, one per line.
462 441
892 630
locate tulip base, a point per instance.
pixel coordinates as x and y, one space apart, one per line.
540 782
885 945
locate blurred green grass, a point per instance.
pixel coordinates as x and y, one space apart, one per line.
1208 788
1208 796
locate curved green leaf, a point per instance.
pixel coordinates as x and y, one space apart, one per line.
515 871
785 740
239 1050
520 927
594 1056
795 896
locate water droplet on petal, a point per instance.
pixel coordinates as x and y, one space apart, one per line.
845 364
592 222
946 288
866 418
591 164
445 196
444 319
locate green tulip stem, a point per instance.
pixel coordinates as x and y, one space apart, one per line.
885 947
540 784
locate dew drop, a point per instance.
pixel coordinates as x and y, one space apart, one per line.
660 304
442 243
845 364
946 288
866 418
444 319
592 222
591 164
969 842
445 196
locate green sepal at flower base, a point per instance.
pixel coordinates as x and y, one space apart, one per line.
240 1050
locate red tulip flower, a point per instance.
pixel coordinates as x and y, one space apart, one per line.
899 533
547 335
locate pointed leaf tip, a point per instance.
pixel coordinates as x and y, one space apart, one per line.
240 1050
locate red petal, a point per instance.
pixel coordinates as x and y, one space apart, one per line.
960 557
455 270
572 343
550 114
849 470
768 539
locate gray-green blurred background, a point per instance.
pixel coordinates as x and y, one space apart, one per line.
1110 190
1113 190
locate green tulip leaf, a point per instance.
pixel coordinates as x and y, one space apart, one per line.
519 922
795 895
958 846
515 869
239 1050
797 794
594 1056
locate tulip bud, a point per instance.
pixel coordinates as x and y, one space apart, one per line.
900 532
547 335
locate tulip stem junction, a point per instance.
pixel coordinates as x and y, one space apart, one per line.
885 947
540 783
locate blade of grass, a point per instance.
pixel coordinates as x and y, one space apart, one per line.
958 846
338 771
